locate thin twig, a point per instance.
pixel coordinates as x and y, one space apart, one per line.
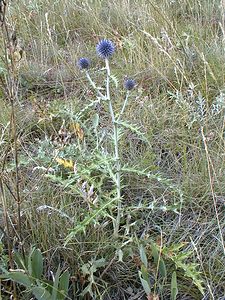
212 187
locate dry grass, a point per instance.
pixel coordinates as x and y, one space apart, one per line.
167 46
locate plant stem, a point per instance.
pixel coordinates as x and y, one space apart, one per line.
94 85
11 89
116 150
6 222
210 166
124 106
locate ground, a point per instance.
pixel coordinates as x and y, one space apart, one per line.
57 158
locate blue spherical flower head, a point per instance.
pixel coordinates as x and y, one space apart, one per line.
129 84
83 63
105 49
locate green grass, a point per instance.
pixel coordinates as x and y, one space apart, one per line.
167 46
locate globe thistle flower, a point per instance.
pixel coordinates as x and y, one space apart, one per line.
105 48
83 63
129 84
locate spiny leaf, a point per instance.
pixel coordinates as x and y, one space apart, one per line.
87 108
89 218
134 129
115 80
190 269
157 177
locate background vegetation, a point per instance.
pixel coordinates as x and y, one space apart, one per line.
56 192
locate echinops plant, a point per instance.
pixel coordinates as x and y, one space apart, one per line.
105 50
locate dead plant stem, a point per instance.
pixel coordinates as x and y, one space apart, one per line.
210 167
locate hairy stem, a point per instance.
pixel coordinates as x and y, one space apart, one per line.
124 106
116 150
94 85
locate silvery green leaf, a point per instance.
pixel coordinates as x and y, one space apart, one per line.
143 256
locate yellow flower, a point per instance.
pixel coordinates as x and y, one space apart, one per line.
65 163
75 127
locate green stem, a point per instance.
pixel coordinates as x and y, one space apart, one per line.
116 150
94 85
124 106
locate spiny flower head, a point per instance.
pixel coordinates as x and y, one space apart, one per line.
129 84
105 48
83 63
